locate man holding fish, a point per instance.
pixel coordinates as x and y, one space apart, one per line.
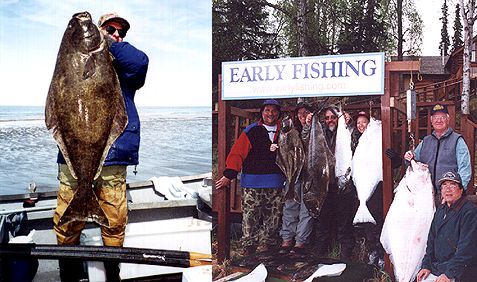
130 67
339 205
444 150
297 221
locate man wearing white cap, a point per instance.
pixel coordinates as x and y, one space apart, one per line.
443 150
131 67
451 245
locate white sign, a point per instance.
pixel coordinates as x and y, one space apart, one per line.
333 75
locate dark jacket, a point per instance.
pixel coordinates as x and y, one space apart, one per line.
251 154
452 241
131 66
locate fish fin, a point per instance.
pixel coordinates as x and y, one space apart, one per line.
51 121
363 215
84 206
62 146
119 123
290 192
89 67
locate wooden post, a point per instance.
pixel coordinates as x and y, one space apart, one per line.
387 170
221 201
391 76
467 129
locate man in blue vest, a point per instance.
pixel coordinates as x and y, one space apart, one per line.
444 150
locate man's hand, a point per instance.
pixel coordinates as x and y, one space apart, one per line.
408 156
273 147
443 278
347 117
422 274
309 118
222 182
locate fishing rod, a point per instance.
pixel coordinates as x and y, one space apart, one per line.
104 253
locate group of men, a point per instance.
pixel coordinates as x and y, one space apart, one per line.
451 249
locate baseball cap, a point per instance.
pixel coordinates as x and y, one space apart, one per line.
270 102
113 17
439 108
303 105
451 176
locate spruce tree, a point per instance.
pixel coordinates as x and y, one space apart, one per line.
444 44
457 39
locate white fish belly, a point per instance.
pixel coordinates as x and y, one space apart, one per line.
406 227
367 168
343 153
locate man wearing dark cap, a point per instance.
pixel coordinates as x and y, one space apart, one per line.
297 221
254 153
131 67
451 253
336 215
443 150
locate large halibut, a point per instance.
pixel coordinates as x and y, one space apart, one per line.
343 154
367 168
318 168
407 224
84 111
290 156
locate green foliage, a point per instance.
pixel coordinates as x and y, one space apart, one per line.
364 28
241 31
445 43
457 40
412 25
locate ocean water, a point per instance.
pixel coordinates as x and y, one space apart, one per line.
174 142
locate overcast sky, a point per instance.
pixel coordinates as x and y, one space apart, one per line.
175 34
430 11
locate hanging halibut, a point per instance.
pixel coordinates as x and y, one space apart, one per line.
343 153
85 111
291 155
367 168
406 227
319 163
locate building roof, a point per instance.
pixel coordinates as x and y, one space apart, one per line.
429 64
434 64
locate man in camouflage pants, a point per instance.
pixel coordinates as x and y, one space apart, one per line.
254 153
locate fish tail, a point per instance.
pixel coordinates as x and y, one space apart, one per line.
363 214
290 192
84 207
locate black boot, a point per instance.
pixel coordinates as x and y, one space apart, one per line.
112 271
72 270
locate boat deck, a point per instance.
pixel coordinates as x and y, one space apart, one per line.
149 211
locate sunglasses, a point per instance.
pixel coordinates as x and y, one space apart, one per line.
111 30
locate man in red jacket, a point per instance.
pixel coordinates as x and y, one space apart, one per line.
254 153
